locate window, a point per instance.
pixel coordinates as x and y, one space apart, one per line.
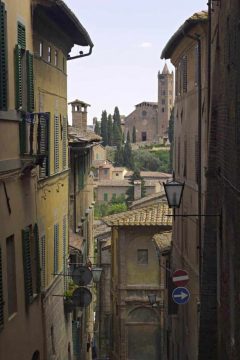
43 260
40 49
3 59
31 262
142 256
105 197
49 54
64 143
144 136
24 89
105 171
11 276
117 174
44 120
56 143
164 93
55 57
184 70
163 109
56 248
163 101
144 113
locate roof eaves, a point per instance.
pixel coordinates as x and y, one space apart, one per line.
197 18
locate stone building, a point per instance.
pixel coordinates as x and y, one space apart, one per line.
151 118
21 321
81 215
184 49
219 320
137 326
36 39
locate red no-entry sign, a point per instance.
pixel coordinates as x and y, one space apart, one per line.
180 277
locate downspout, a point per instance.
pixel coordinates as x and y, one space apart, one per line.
80 54
209 61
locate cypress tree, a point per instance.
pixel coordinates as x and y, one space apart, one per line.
97 129
119 156
116 117
117 136
104 132
110 129
127 153
134 135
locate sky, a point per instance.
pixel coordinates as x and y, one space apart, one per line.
128 38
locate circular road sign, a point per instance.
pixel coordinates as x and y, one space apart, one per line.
81 297
180 277
181 295
81 276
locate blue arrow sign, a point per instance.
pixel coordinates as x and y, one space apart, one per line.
181 295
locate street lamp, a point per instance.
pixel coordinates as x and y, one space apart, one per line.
152 298
174 191
96 273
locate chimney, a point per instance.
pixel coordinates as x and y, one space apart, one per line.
137 189
79 114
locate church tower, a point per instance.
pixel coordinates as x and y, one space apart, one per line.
165 102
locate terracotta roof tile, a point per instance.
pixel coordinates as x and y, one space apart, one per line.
154 215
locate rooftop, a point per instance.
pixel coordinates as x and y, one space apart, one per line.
60 13
78 102
197 18
163 241
155 196
76 135
154 215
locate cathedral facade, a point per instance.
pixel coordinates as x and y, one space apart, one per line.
151 118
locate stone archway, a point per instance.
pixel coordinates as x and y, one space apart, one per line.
143 334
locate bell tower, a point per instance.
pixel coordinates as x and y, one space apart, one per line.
165 102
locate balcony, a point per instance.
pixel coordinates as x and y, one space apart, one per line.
34 140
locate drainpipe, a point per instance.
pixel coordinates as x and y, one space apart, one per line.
209 59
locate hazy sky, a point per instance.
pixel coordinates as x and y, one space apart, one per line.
128 37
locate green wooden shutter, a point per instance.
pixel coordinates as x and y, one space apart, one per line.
64 143
21 35
1 293
37 259
44 143
3 59
56 247
56 143
18 77
30 86
27 265
65 252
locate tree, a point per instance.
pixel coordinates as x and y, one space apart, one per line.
116 117
104 132
117 136
146 160
134 135
110 129
130 191
97 128
127 153
119 157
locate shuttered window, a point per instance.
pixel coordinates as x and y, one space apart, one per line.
65 252
30 88
21 35
56 143
11 275
18 77
64 143
1 293
43 260
196 52
3 58
44 131
56 248
36 259
26 250
185 159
